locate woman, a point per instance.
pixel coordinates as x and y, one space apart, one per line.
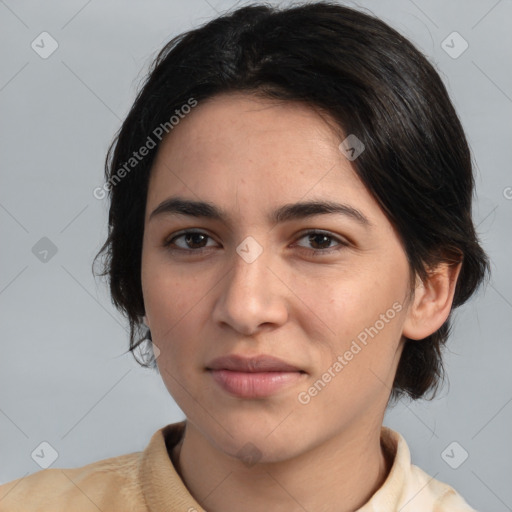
290 225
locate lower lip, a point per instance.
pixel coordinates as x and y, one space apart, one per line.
254 385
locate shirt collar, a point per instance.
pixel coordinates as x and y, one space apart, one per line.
164 490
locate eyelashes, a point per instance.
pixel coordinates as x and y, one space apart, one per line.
191 238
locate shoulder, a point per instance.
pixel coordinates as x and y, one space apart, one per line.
442 496
100 485
410 489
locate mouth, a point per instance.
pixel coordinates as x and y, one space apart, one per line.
255 377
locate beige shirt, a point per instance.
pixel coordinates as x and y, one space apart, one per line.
147 481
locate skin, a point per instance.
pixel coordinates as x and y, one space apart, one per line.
250 156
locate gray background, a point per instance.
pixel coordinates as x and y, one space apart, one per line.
64 375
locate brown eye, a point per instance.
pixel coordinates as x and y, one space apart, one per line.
320 242
189 240
320 239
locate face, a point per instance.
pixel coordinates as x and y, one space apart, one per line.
323 292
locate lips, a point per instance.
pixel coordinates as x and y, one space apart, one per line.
255 377
256 364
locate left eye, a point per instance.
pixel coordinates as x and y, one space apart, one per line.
323 239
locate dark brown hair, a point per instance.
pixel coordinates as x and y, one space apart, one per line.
373 83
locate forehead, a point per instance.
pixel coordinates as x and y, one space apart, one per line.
240 151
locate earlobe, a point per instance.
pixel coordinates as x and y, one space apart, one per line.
432 302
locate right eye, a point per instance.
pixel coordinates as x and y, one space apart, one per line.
191 241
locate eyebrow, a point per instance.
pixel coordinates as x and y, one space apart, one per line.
285 213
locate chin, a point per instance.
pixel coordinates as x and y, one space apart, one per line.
254 438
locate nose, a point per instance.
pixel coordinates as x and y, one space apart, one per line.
251 296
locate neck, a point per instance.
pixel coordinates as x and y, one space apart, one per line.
339 476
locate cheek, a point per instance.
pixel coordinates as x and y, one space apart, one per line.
363 319
170 294
349 306
172 303
167 305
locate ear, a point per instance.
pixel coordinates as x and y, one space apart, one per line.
433 298
145 320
